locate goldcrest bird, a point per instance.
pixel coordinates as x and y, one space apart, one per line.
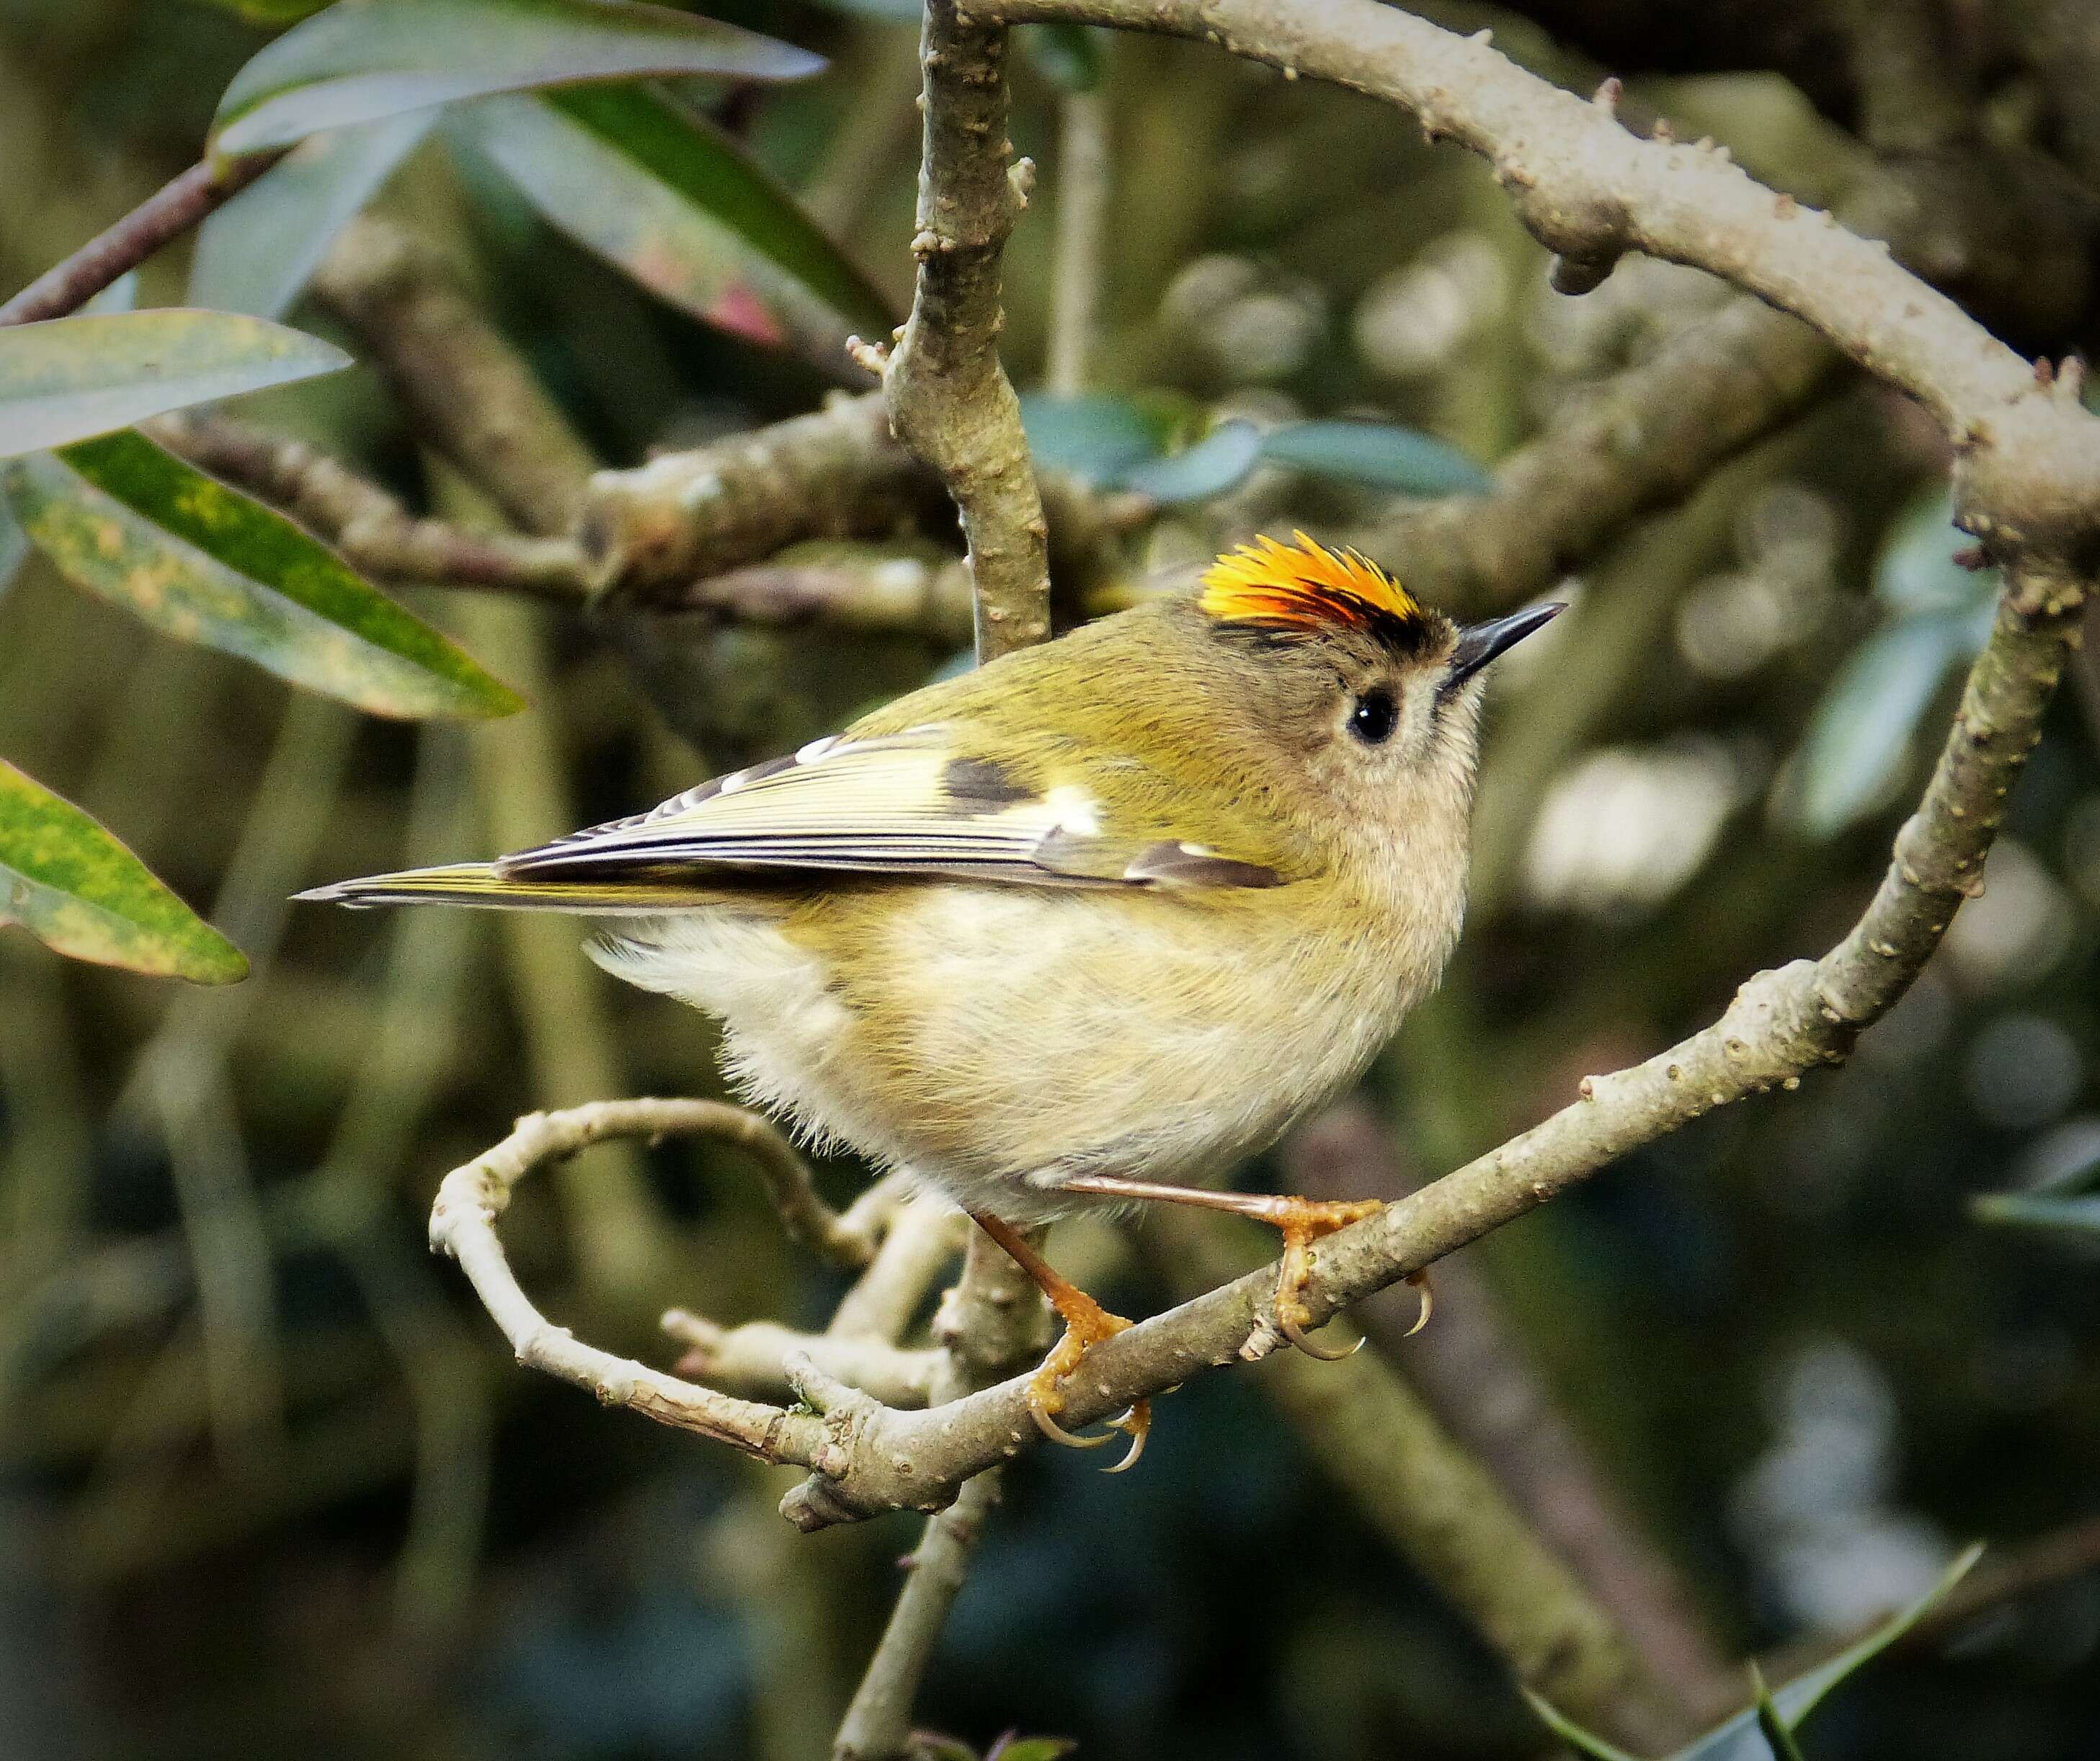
1102 916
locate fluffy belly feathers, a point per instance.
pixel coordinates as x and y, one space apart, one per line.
995 1039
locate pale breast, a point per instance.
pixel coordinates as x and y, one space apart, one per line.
994 1039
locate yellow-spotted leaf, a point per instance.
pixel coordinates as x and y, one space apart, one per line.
679 206
67 378
129 522
77 889
256 252
363 60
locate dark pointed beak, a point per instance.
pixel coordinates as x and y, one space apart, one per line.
1479 643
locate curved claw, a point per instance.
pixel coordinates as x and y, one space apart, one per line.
1291 1330
1056 1433
1137 1423
1420 1281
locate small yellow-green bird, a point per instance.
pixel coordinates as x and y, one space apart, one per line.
1102 916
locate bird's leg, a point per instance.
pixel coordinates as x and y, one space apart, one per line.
1302 1221
1086 1324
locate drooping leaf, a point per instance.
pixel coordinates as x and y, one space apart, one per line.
1377 454
363 60
67 378
258 251
1771 1725
1740 1738
1098 436
678 205
131 522
1220 460
1861 731
1070 56
78 890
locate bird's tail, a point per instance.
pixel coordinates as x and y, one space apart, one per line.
483 883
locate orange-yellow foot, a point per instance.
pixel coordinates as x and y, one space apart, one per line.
1304 1222
1086 1324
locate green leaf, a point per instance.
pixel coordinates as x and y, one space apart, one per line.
258 251
1771 1725
1070 56
2078 1214
679 206
1221 459
363 60
1098 436
131 522
1569 1731
1797 1698
1860 735
1377 454
66 379
1740 1738
73 887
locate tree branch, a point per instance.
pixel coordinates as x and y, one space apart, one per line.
949 397
374 533
168 212
2027 463
463 1225
1083 178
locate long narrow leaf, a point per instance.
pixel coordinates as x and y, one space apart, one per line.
133 523
363 60
68 379
258 251
678 205
1862 730
78 890
14 547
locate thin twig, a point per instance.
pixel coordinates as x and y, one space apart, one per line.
463 1225
375 534
753 1359
949 399
168 212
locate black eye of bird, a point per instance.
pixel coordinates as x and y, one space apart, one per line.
1374 717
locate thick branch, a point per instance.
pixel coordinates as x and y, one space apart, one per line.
2028 464
168 212
949 399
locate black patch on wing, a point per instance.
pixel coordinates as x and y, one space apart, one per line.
982 785
1176 864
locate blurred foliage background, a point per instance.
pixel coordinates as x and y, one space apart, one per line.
271 1483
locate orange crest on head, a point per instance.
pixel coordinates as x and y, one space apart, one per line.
1302 588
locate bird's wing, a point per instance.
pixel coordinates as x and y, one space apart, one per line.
928 801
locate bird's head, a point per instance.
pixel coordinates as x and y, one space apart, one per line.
1374 695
